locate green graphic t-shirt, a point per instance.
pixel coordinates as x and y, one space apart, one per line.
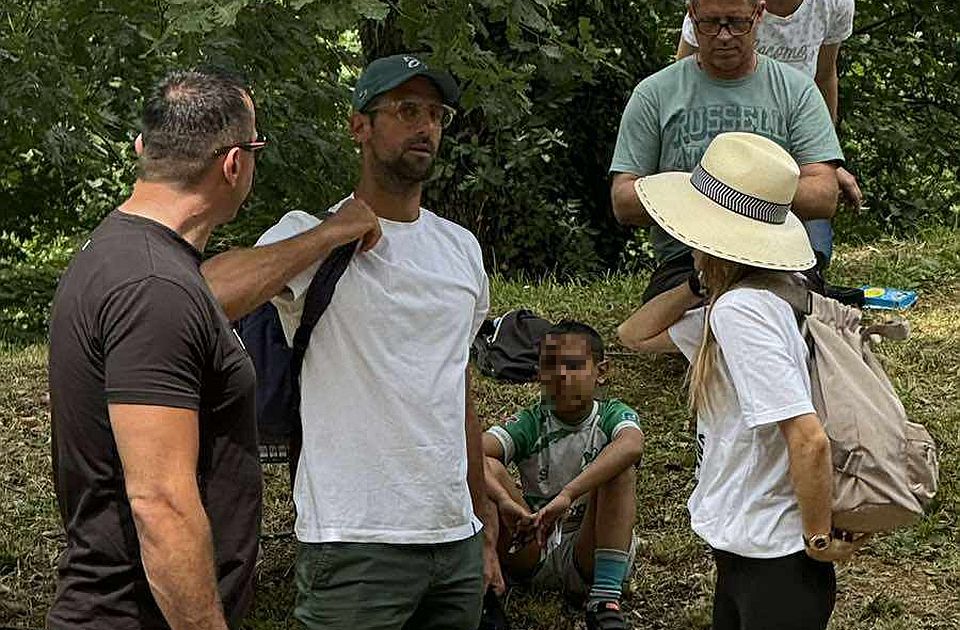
674 114
550 453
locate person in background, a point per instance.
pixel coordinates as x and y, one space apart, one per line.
806 34
673 115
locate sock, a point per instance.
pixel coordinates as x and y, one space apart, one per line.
609 569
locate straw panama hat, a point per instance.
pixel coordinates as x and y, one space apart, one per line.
735 205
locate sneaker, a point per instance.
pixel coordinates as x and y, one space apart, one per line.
493 617
605 616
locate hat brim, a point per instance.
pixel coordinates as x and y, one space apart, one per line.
693 219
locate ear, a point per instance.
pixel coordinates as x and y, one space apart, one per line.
604 368
138 145
360 127
231 166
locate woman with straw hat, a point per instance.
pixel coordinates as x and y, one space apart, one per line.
763 495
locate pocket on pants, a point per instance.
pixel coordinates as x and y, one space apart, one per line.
313 565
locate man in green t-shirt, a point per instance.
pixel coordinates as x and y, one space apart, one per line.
673 115
570 527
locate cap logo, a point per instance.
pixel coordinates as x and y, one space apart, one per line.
412 62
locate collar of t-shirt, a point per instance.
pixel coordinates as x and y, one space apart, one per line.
761 62
160 230
589 418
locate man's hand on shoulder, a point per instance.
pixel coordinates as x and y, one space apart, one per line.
354 221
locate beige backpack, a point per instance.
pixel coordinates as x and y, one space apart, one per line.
885 467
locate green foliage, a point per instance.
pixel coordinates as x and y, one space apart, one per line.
27 283
900 112
525 164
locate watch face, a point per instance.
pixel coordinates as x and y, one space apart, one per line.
820 542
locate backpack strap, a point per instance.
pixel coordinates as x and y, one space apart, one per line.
790 288
316 301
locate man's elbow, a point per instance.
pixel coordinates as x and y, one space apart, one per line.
627 209
632 339
160 505
627 338
619 211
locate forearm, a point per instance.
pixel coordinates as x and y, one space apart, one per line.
656 316
177 551
476 479
625 451
829 86
626 204
243 279
816 196
493 470
813 483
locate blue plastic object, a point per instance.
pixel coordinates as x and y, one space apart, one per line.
887 298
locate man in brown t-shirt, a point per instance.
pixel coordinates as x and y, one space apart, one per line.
152 393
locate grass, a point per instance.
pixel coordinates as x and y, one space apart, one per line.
906 580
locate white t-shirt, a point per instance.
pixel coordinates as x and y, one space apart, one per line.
383 386
744 501
796 39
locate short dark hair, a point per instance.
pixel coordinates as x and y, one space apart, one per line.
188 116
573 327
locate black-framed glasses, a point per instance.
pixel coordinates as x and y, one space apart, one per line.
256 145
737 27
414 112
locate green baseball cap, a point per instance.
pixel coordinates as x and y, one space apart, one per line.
386 73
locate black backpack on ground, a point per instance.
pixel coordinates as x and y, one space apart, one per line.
278 365
508 348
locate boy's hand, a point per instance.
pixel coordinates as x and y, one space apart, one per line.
516 517
546 519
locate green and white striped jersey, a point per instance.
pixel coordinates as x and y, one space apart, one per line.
550 453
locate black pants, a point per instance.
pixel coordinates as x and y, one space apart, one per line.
790 593
667 275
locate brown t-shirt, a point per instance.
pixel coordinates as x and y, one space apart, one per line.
134 322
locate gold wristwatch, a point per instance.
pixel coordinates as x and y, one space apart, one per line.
818 542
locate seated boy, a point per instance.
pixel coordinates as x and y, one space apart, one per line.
575 454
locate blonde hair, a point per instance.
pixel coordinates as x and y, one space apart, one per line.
718 276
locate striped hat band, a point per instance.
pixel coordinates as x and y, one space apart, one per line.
736 201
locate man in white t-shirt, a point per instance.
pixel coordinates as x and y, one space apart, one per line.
807 35
389 488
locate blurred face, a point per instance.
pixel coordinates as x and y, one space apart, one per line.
726 34
568 374
401 131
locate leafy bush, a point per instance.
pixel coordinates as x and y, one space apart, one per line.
524 166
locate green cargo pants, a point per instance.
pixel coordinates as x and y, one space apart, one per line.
373 586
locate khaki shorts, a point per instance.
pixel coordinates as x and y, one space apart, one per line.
559 572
